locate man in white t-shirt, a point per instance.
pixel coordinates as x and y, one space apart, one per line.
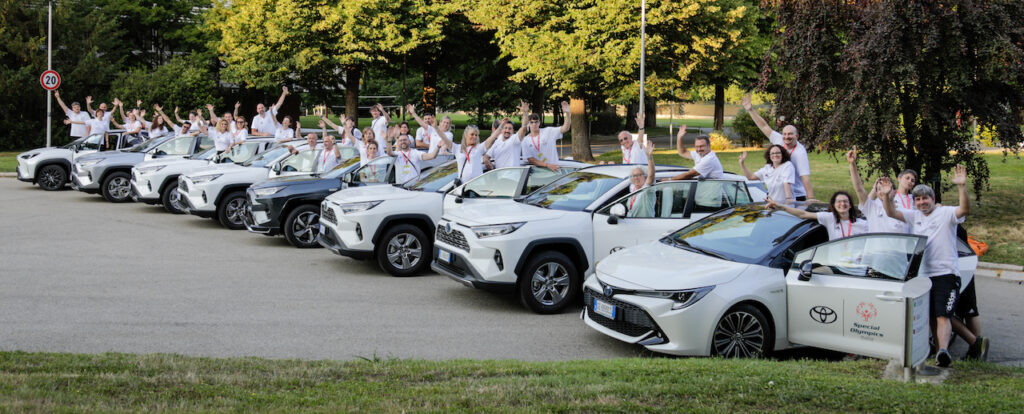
633 152
424 132
938 224
107 114
538 146
408 159
330 157
226 116
263 124
870 205
75 113
507 149
708 166
797 153
346 123
184 129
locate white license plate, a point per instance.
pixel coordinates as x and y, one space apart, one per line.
444 256
604 309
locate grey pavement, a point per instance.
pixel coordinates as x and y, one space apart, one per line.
79 274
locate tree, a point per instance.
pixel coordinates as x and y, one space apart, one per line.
153 31
184 81
902 80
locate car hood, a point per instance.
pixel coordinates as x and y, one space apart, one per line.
506 211
658 266
300 184
46 153
372 193
115 157
222 169
171 160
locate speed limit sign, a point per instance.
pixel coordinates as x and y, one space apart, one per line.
50 80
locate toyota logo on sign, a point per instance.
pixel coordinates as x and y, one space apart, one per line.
823 314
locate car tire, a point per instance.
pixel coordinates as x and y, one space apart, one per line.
301 226
404 250
230 211
52 177
743 332
117 187
171 199
549 283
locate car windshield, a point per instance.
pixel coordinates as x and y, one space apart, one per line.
241 153
573 192
205 155
342 168
78 141
148 145
267 157
745 234
436 178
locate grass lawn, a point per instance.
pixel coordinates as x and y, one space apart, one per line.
8 162
118 382
997 220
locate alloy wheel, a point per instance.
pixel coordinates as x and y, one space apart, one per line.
739 335
404 251
550 283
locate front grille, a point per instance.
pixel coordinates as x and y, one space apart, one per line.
454 237
327 214
630 319
182 184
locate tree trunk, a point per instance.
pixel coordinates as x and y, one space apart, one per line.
429 87
352 74
719 106
580 128
650 112
631 111
537 102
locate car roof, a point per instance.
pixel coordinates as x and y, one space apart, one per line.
624 170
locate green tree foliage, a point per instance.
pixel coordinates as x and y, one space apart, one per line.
184 81
152 31
903 80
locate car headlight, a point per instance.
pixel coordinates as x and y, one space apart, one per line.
199 179
27 156
149 170
89 163
682 298
357 207
496 229
263 192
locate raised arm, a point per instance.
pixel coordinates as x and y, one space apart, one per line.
794 211
680 146
235 113
960 179
176 117
56 94
347 133
524 108
641 136
325 120
743 165
389 140
298 129
444 137
858 184
649 149
323 128
411 109
885 194
88 105
568 117
387 118
280 101
760 122
494 135
432 154
213 116
160 112
120 110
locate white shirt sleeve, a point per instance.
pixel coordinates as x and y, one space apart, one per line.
801 163
775 138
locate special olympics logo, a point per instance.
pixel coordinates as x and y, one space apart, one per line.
823 314
867 311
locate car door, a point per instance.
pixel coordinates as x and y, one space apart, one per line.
298 164
649 214
849 294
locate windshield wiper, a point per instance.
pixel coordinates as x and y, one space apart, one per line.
686 245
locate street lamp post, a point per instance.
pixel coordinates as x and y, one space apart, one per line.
49 66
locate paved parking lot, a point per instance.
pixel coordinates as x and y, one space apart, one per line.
82 275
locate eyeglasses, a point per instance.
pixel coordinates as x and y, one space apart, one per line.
638 176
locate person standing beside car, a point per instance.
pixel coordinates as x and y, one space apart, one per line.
797 152
708 167
634 152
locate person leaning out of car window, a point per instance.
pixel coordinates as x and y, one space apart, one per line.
705 162
639 179
776 174
841 220
407 158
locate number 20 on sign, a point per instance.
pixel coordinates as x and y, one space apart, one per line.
50 80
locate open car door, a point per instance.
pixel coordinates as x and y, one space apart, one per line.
850 294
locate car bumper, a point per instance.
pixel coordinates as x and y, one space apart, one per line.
143 189
195 199
355 230
460 270
82 180
329 240
476 257
25 171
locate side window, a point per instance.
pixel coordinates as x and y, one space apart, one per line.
501 183
302 161
712 196
176 146
93 142
205 143
803 248
884 256
540 177
374 172
666 200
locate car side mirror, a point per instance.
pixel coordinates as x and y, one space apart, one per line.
617 211
347 178
458 193
277 168
805 270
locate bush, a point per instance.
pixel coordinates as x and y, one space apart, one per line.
606 123
744 126
184 81
719 142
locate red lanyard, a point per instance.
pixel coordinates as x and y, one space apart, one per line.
325 158
904 201
536 142
849 229
631 201
627 154
790 151
406 156
469 151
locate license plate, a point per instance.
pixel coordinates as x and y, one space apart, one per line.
322 229
604 309
444 256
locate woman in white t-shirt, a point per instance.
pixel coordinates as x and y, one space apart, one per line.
469 155
221 136
841 220
241 132
777 174
158 127
284 130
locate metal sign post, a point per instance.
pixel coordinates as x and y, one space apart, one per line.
49 67
643 27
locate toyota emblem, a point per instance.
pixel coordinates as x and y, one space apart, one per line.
448 227
609 291
823 314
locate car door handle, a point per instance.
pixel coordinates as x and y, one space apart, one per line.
889 298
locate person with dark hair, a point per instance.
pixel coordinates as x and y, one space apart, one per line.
870 204
184 129
840 220
228 116
707 166
538 146
263 124
407 159
776 174
75 113
347 123
93 125
797 153
380 124
507 149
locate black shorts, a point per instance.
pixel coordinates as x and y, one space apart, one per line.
944 294
967 304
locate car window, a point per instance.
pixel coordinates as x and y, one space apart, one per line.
376 171
302 162
746 234
714 195
205 143
884 256
176 146
342 168
573 192
267 157
436 179
540 177
663 200
241 153
93 142
500 183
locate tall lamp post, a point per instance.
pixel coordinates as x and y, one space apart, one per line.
49 66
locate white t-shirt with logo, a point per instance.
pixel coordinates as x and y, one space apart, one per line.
475 158
709 166
542 147
775 179
76 129
878 221
407 165
843 228
940 255
801 165
634 155
506 152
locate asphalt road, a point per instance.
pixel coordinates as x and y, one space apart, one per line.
79 274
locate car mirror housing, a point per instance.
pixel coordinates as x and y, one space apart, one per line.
805 270
615 213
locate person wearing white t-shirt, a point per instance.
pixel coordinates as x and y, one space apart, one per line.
507 149
709 167
330 157
538 147
380 122
347 123
107 113
639 179
284 130
776 174
789 140
938 224
870 204
92 125
240 134
158 127
263 124
364 145
184 129
424 131
408 159
633 152
226 116
75 113
221 135
194 120
469 155
840 221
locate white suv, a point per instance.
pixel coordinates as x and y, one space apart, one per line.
543 244
395 224
219 191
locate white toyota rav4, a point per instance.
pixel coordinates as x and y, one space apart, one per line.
543 244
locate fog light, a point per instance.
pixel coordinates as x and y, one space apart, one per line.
359 232
498 261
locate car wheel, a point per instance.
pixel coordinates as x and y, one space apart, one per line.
171 199
402 250
549 283
743 332
117 187
231 209
52 177
302 225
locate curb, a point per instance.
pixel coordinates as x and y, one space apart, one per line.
1008 272
8 174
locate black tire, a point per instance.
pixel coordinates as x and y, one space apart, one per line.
404 250
230 211
743 332
301 226
52 177
171 198
117 187
549 283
